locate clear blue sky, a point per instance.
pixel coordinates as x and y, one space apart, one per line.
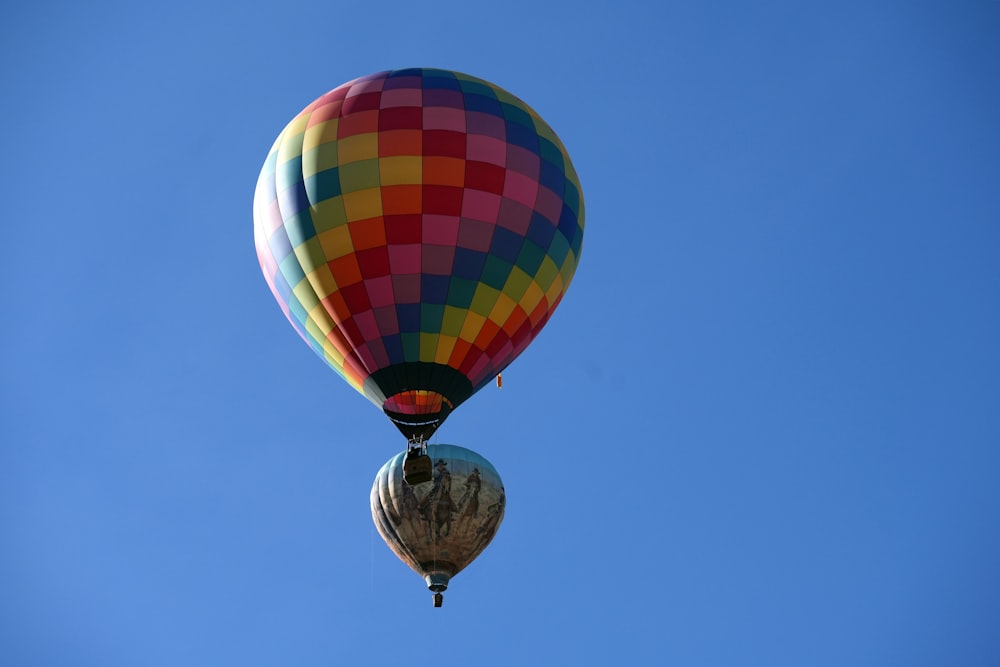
762 428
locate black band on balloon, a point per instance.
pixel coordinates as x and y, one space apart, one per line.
451 384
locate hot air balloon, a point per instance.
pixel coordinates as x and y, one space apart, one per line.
418 227
439 527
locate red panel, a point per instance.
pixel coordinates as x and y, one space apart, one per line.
442 199
400 142
400 200
362 102
356 298
357 123
368 233
374 262
403 228
400 118
444 142
345 270
484 176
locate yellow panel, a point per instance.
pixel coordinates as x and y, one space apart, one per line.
322 282
328 214
333 355
400 170
336 242
555 290
363 204
318 159
320 324
357 147
291 145
318 134
444 348
310 255
517 283
546 273
473 325
304 293
428 346
484 299
532 297
453 320
568 269
503 308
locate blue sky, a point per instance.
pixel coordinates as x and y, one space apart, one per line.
761 428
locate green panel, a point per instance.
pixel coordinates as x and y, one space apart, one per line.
550 152
517 115
411 347
495 272
530 258
329 214
486 297
431 315
310 255
460 292
546 273
453 319
359 175
517 284
558 248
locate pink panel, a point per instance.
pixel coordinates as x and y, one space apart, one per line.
523 161
475 235
367 84
514 216
367 324
478 367
486 149
438 260
479 205
401 97
272 218
522 189
380 291
441 229
407 288
388 324
444 118
377 350
404 258
549 204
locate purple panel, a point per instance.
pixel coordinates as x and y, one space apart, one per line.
475 235
523 161
437 259
386 318
483 206
404 258
406 288
436 97
514 216
484 123
441 229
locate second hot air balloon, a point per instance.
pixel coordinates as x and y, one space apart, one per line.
440 526
418 228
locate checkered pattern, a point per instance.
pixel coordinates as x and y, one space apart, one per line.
418 228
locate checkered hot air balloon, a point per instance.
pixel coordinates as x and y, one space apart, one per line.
418 228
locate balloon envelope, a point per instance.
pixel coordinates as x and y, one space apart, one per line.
439 527
418 228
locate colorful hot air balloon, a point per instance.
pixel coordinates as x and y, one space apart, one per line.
418 228
440 526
